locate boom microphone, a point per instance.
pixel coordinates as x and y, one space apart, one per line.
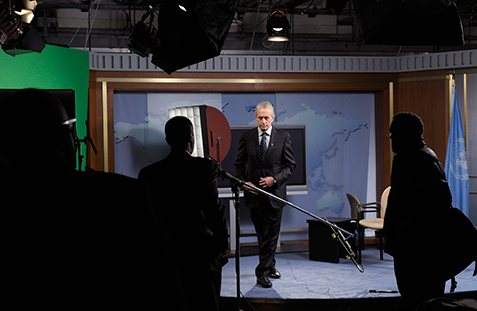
224 174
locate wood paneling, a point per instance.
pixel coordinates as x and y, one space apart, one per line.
95 123
427 95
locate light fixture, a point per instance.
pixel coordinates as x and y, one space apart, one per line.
29 41
17 37
10 26
194 35
24 9
278 27
143 37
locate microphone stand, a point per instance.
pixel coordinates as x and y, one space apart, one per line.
338 232
236 190
87 139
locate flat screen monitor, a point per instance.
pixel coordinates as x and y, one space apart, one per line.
298 180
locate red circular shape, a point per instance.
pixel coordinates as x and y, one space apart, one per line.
218 132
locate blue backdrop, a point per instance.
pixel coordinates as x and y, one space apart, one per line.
340 140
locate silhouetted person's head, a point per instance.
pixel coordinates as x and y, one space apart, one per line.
33 131
406 132
180 133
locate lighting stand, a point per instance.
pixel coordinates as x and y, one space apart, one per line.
87 139
236 190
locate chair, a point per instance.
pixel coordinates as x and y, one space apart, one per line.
358 210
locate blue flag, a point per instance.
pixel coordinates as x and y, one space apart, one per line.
456 169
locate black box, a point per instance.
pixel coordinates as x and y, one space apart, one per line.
323 246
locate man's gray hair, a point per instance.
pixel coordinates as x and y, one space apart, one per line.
265 105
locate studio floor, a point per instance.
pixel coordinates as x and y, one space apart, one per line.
304 279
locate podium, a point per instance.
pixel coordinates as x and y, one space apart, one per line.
323 246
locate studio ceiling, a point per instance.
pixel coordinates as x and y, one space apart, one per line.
318 27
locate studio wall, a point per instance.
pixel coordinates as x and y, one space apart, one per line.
427 95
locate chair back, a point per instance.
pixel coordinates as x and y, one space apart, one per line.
384 201
353 204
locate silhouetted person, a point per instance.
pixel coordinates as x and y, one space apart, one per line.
418 200
268 167
73 240
186 188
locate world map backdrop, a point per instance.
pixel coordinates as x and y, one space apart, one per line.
340 140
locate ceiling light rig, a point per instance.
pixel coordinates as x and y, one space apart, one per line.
143 37
25 9
17 36
188 32
278 27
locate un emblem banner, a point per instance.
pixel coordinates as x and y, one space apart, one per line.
456 169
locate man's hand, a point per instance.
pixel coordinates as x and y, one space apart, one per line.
249 189
266 182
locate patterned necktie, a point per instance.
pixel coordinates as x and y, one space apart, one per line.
263 147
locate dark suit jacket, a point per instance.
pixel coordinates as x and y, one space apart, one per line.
279 164
186 189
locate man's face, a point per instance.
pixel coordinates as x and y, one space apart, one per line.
264 118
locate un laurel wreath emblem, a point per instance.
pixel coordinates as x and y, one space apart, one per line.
458 165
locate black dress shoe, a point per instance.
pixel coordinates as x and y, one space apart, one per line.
264 281
274 274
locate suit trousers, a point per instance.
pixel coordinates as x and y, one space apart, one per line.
267 221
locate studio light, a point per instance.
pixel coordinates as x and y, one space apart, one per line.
10 25
143 37
188 32
29 41
17 37
25 9
192 32
278 27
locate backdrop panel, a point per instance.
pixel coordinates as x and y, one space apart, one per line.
340 140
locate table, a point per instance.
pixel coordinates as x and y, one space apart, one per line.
323 246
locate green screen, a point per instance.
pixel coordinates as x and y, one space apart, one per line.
54 68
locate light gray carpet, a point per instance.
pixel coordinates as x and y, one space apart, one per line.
306 279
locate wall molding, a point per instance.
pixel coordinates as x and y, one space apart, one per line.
295 64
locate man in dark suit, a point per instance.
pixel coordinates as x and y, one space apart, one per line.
186 189
265 159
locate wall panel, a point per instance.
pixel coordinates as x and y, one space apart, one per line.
427 95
